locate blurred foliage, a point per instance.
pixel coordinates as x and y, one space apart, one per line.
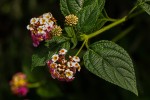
16 50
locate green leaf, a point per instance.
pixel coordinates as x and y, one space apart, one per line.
100 23
88 2
49 91
71 33
144 5
52 46
89 15
71 6
39 57
111 63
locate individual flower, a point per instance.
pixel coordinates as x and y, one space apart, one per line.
34 20
43 21
19 84
77 65
76 59
41 28
62 51
69 73
47 15
55 57
62 69
71 20
70 64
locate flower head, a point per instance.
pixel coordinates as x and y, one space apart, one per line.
41 28
62 69
71 20
19 84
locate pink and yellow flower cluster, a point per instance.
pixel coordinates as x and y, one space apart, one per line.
19 84
43 28
62 69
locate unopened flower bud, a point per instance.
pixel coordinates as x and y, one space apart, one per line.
56 31
71 20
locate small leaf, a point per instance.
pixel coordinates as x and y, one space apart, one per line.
37 60
144 4
146 7
88 16
111 63
72 35
55 41
39 57
71 6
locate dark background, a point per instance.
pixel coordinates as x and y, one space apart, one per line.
16 50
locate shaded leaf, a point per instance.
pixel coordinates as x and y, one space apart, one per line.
71 33
39 57
111 63
145 5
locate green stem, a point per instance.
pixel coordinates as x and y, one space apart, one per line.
81 47
109 19
86 44
133 9
107 27
122 34
34 85
115 23
135 14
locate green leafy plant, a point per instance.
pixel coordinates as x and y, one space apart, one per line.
84 20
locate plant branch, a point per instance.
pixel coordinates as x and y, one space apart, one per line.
122 34
109 19
81 47
107 27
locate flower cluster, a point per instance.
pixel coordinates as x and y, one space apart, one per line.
19 84
62 69
43 28
71 20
